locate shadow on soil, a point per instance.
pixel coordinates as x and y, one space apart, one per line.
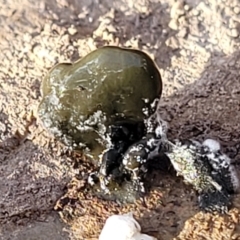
29 190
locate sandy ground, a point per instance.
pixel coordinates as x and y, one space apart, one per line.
195 43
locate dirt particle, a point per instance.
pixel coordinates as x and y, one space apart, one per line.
72 30
173 24
234 33
236 10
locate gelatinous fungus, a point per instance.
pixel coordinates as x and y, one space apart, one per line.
84 100
100 105
105 106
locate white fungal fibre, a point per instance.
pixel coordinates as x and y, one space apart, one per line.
217 159
221 160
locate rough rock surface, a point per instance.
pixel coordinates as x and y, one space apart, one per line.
196 46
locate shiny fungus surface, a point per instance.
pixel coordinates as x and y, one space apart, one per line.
82 100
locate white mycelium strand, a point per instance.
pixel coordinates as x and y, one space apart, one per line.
162 128
219 161
212 144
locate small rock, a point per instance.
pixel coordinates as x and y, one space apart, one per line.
202 6
72 30
22 74
184 53
173 24
172 42
234 33
165 32
183 32
182 21
195 12
177 10
214 40
186 7
236 10
232 23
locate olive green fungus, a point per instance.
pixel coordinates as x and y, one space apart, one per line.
82 100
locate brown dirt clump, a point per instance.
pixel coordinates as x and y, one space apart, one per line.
159 210
205 226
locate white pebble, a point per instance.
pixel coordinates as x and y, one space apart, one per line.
123 227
